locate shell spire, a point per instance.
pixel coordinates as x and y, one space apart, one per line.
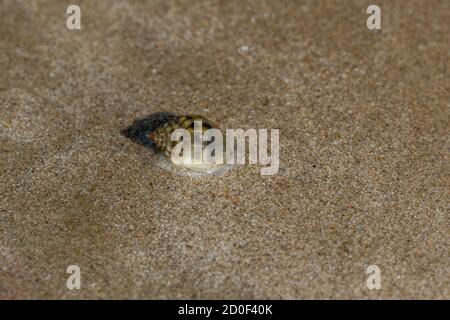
161 136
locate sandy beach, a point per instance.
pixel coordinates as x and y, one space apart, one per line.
364 175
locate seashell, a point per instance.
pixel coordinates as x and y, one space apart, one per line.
161 137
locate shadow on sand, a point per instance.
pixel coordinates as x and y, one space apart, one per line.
138 131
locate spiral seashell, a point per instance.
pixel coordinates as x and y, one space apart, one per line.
161 137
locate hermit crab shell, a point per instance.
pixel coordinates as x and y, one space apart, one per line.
162 139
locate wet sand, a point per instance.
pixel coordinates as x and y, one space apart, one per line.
364 163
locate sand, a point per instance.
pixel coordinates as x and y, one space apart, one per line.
364 162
